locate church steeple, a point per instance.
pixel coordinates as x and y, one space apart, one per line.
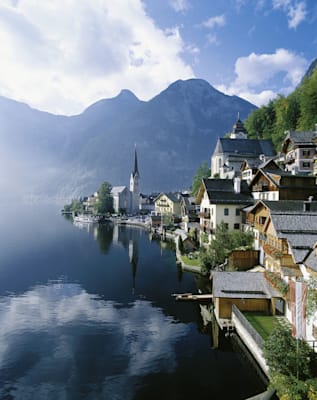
238 130
135 186
135 165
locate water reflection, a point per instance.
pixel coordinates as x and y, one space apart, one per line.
58 338
109 329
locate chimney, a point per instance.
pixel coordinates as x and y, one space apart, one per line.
307 204
237 184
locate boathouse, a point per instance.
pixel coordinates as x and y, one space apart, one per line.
249 291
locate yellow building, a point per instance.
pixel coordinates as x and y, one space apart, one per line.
168 204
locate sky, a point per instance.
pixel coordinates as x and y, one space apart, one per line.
61 56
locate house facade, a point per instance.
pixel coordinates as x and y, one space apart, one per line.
221 200
121 199
273 184
286 234
299 150
167 204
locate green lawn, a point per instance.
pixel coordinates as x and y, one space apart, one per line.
195 262
263 324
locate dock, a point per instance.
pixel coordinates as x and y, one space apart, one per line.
192 297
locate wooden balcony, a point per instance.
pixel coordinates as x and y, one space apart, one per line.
260 188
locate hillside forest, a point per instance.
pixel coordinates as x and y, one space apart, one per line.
297 111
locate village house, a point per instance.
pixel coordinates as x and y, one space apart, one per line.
286 234
231 152
299 150
90 202
221 200
168 204
272 183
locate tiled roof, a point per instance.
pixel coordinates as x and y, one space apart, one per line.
300 231
289 206
301 137
171 196
247 285
252 147
118 189
222 191
295 223
311 261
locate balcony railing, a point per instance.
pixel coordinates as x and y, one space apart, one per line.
205 215
260 188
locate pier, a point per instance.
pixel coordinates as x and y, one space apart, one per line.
192 297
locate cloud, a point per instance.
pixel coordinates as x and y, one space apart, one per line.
179 5
255 75
212 22
96 51
58 317
295 11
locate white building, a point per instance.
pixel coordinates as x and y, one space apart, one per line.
221 201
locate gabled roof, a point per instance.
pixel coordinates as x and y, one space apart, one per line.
299 229
246 147
169 195
311 260
289 206
118 189
271 175
246 285
222 191
299 137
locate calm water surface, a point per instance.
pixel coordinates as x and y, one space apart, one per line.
88 314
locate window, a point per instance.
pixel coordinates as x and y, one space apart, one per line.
226 211
236 226
262 220
237 212
306 153
306 164
227 226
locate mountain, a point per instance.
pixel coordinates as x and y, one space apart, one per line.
49 155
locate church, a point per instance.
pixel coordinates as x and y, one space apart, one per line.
127 200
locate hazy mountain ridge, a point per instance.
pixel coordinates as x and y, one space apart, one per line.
70 156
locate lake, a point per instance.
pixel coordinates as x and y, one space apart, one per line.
87 313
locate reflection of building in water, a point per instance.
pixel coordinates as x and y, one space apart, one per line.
128 238
133 258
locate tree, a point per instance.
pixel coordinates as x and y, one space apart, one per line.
202 172
308 103
75 205
221 246
291 364
105 200
284 355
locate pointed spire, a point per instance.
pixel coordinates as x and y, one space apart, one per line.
135 165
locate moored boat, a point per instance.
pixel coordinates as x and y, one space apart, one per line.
86 218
